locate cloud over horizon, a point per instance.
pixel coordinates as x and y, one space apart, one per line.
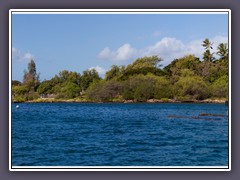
123 53
100 70
168 48
18 56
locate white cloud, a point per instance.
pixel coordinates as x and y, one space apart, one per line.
99 69
195 47
27 56
18 56
15 53
217 40
123 53
15 50
105 53
168 48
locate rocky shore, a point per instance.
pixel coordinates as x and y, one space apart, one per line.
52 100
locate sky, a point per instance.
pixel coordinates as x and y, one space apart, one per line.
78 42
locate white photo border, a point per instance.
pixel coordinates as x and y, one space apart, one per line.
119 168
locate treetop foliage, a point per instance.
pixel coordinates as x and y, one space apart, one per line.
152 61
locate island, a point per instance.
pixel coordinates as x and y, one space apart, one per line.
186 79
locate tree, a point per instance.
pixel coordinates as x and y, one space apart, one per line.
31 78
19 90
19 93
88 77
207 44
70 90
143 66
114 72
223 51
174 69
16 83
207 55
142 87
46 87
219 87
152 61
191 86
105 90
163 88
64 85
69 76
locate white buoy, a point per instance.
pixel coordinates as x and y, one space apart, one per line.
17 106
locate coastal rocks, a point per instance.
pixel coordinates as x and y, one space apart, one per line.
184 101
161 100
153 100
119 100
212 101
128 101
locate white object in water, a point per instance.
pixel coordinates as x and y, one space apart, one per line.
17 106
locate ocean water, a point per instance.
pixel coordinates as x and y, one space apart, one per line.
112 134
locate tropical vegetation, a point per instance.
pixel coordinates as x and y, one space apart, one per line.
185 79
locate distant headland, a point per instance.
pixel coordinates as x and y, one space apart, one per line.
187 79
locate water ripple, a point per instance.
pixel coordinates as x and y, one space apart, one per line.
119 135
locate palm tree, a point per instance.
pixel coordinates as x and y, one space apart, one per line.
222 51
207 55
207 44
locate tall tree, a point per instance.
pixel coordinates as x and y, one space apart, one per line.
207 44
207 55
31 78
223 51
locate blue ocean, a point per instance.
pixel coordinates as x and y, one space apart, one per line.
117 134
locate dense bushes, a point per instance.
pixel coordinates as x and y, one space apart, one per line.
105 90
191 86
143 87
219 88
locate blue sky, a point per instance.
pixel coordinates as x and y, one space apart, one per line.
78 42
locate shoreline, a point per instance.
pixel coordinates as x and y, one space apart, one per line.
149 101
